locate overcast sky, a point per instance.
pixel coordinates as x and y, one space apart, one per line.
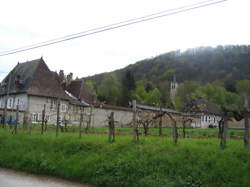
26 22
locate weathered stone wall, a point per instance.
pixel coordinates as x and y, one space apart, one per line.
100 117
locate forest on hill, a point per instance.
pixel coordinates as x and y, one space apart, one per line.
220 74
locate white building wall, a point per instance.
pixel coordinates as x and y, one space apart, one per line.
14 100
100 117
206 120
36 106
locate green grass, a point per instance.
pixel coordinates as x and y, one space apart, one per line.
155 161
153 131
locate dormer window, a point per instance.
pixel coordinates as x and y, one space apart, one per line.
18 82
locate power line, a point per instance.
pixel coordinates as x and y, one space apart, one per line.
114 26
98 28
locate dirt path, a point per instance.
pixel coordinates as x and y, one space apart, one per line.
10 178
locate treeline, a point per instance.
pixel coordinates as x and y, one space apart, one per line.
219 75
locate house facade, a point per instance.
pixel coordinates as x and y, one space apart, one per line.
31 87
208 112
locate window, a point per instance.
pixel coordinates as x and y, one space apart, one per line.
0 102
18 102
10 103
34 117
63 108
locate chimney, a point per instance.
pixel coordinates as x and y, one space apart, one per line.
18 82
61 76
69 78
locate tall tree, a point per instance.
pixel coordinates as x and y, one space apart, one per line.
109 90
128 84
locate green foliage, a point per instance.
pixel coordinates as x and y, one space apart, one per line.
154 162
185 92
90 85
243 87
109 90
224 67
128 84
151 97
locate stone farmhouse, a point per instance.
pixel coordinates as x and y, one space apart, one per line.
31 87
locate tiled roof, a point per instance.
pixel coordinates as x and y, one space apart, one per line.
202 106
79 90
35 79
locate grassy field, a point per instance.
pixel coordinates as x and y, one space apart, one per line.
152 131
155 161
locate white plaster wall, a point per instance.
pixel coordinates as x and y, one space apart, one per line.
36 106
22 101
100 116
207 120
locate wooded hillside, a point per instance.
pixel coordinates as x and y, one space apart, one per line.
203 68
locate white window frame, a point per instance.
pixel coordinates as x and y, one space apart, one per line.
34 117
63 107
10 102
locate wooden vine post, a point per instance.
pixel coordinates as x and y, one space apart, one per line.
57 117
160 122
43 118
111 123
80 124
174 128
135 124
224 127
184 122
17 120
246 123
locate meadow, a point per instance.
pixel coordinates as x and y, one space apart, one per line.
154 161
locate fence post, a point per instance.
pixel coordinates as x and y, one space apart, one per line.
135 125
57 117
43 118
246 119
17 119
160 122
80 124
111 127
